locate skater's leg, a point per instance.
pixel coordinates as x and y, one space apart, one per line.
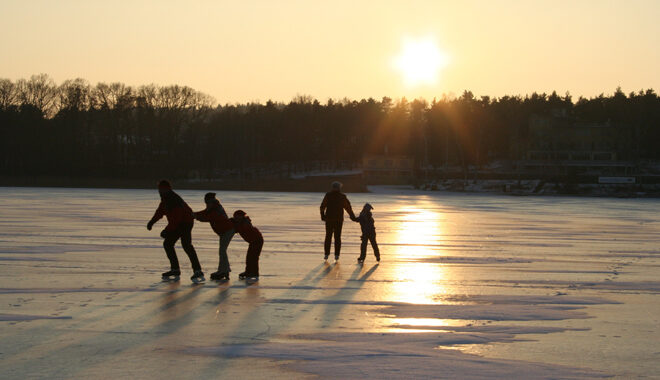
363 248
328 237
225 239
186 243
374 245
168 244
338 226
252 259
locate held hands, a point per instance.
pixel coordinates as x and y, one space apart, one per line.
354 219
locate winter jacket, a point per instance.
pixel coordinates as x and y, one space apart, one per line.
175 209
248 232
216 215
333 206
366 220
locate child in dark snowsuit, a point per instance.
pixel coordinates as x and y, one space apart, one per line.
249 233
366 221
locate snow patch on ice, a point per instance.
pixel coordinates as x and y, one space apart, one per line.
393 356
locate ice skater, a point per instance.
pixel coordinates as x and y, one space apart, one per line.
332 213
179 225
249 233
366 221
216 215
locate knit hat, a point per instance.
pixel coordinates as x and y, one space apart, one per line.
208 197
164 185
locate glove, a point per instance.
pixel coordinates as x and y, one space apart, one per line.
164 234
323 218
149 225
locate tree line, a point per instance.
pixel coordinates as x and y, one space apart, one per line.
115 130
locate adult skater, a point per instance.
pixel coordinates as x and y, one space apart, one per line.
216 215
249 233
368 228
332 213
179 225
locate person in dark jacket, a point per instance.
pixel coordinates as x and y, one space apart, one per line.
249 233
179 225
332 213
366 221
216 215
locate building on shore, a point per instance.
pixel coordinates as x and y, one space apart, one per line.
560 146
387 169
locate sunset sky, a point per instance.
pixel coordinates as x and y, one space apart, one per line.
240 51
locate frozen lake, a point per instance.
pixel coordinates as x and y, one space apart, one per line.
469 286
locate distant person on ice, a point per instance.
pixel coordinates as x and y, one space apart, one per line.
179 225
216 215
332 213
366 221
249 233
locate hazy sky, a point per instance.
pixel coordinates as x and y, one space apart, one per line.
239 51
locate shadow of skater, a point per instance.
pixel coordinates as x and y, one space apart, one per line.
336 302
332 213
179 225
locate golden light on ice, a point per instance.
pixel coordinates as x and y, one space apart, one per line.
419 281
420 61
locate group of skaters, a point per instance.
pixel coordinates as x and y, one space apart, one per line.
181 218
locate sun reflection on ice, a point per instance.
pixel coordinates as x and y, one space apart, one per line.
419 281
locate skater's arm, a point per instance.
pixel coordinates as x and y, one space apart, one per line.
160 211
324 205
348 208
202 216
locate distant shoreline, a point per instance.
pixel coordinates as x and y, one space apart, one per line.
352 184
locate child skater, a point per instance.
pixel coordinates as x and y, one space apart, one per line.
249 233
366 221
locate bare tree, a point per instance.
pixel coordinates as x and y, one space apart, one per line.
8 94
75 94
39 91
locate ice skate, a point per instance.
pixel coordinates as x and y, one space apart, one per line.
251 280
360 261
325 258
198 277
220 276
171 275
248 277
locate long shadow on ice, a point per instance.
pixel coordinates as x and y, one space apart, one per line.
66 360
332 310
262 324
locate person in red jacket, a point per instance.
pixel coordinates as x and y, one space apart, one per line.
249 233
179 225
216 215
332 213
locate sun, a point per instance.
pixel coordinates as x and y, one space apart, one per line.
420 61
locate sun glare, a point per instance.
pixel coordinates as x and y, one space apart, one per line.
419 232
420 61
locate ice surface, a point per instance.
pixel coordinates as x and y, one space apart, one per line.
469 286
